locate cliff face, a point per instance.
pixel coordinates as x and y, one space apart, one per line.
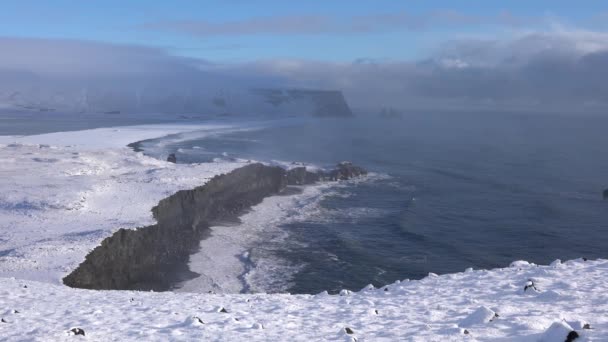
154 257
321 103
151 257
122 100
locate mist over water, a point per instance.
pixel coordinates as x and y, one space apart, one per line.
448 191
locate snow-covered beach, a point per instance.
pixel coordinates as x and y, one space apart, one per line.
62 193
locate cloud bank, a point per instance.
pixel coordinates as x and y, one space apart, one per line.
556 70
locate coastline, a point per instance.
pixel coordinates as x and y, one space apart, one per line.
435 308
64 192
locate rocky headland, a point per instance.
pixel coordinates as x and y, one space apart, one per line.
155 257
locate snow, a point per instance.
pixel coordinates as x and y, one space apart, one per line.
62 193
430 309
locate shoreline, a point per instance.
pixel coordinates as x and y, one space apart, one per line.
156 257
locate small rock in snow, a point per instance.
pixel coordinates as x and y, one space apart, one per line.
530 285
3 320
15 311
349 331
197 320
479 316
222 310
559 331
77 331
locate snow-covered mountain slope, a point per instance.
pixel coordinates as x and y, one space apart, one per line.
470 306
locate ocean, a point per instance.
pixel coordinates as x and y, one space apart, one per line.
447 191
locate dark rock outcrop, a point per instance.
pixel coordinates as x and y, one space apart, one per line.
146 257
301 176
344 171
172 158
156 256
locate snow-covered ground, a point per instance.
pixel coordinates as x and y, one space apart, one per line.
62 193
469 306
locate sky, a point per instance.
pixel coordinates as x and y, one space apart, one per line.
516 54
334 30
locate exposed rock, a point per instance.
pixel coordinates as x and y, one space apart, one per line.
172 158
77 331
147 257
156 256
344 171
301 176
349 331
530 285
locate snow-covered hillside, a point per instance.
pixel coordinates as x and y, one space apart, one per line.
470 306
62 193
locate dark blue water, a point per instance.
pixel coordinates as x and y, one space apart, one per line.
463 190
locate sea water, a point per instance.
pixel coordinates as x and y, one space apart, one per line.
447 191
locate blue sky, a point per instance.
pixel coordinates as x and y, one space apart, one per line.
239 30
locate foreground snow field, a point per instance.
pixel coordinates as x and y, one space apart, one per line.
62 193
477 305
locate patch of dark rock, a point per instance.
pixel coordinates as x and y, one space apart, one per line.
530 285
587 326
349 331
573 335
301 176
77 331
343 171
223 310
466 332
172 158
3 320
